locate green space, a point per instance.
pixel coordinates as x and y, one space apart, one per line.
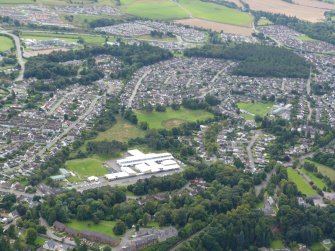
216 13
317 181
325 170
264 22
16 1
305 38
301 183
104 227
122 131
171 118
277 244
89 39
5 43
153 9
257 108
318 246
86 167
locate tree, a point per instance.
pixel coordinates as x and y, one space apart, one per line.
31 236
146 218
119 228
11 232
107 248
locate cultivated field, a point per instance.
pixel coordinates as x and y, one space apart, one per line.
315 4
172 118
301 183
154 9
215 26
281 7
257 108
122 131
5 43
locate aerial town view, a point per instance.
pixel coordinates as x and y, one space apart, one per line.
167 125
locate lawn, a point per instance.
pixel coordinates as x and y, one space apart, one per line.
317 181
5 43
121 131
153 9
104 227
257 108
216 13
86 167
325 170
277 244
301 183
172 118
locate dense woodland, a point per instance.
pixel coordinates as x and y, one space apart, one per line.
257 60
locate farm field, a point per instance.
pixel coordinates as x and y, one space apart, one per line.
306 13
257 108
216 26
325 170
122 131
86 167
317 181
301 183
172 118
154 9
104 227
5 43
216 13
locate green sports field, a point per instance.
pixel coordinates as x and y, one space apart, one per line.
172 118
86 167
104 227
5 43
301 183
257 108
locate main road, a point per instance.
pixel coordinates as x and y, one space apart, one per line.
139 82
19 52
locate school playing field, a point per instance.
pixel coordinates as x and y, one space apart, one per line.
104 227
5 43
257 108
172 118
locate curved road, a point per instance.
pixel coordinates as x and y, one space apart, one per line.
19 52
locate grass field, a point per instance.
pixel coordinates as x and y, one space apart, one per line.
277 244
104 227
5 43
264 22
301 183
325 170
216 13
154 9
305 38
172 118
16 1
86 167
317 181
89 39
257 108
121 131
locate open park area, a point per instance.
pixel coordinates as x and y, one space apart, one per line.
5 43
301 183
172 118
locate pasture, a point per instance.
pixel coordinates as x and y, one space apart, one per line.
5 43
172 118
257 108
301 183
104 227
